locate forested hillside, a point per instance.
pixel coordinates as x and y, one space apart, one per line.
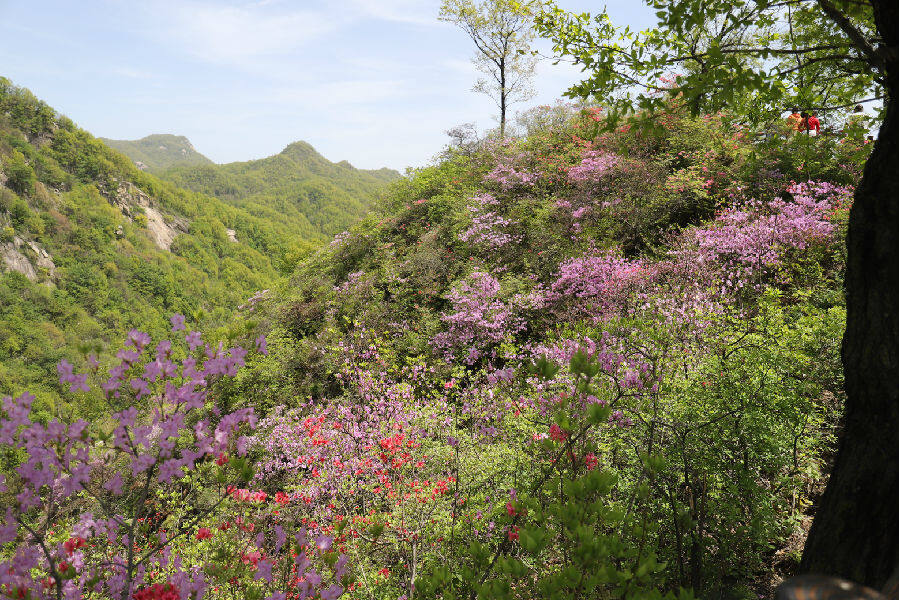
91 246
583 363
159 152
318 197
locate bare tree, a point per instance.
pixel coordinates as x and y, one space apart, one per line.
501 31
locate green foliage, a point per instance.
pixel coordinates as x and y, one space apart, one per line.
20 175
159 152
709 484
751 57
676 446
79 214
573 535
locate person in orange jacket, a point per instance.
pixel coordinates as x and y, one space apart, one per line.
794 121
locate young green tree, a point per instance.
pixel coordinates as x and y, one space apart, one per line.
502 32
21 178
841 52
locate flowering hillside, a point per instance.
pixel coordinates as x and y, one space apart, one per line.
575 364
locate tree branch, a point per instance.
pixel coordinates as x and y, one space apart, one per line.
852 32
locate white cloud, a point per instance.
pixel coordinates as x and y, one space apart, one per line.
416 12
240 34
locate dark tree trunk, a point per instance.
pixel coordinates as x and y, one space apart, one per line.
855 533
502 102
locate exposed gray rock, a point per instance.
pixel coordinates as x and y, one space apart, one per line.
43 259
162 231
16 261
15 255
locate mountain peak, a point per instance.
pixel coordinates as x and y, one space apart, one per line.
159 151
299 148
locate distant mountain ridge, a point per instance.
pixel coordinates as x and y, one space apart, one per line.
91 246
159 151
298 183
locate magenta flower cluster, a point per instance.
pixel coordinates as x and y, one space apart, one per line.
508 177
594 166
479 318
756 235
488 228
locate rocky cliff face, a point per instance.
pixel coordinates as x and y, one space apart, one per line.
29 259
133 202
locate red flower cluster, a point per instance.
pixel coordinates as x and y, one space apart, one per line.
593 113
158 591
73 544
392 447
557 433
244 495
251 558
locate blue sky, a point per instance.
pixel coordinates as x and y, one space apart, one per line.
375 82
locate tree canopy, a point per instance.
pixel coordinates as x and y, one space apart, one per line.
762 56
501 31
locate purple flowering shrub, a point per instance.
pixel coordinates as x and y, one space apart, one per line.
707 266
599 283
512 168
507 177
480 319
749 242
100 508
595 166
487 227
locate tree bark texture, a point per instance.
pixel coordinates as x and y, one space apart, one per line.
502 99
855 533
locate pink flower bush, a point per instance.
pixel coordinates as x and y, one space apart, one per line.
756 236
707 266
594 166
507 177
599 283
479 318
487 227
